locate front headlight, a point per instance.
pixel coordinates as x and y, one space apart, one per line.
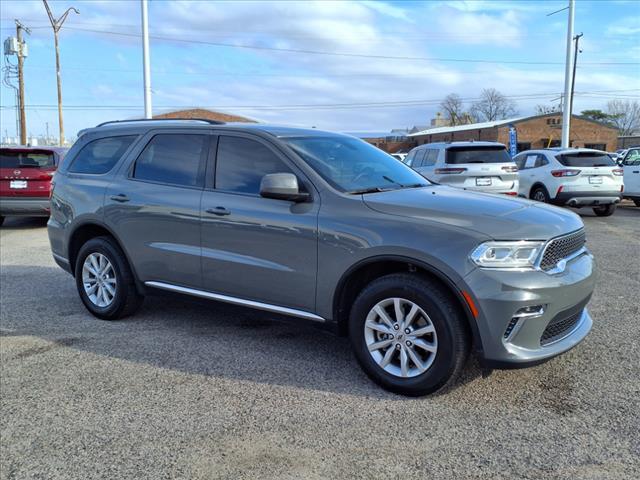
507 254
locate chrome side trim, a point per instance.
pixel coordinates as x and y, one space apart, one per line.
236 301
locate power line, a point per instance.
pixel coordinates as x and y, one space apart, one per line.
388 104
341 54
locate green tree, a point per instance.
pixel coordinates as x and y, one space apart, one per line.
597 115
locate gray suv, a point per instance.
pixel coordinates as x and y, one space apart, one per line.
321 227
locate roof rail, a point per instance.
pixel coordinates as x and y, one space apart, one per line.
205 120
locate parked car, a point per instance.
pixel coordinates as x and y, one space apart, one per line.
25 180
483 166
631 167
322 227
574 177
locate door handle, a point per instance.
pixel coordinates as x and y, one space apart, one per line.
221 211
120 198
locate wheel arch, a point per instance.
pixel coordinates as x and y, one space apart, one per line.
536 185
84 232
360 274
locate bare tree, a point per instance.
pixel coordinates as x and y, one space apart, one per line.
624 115
453 109
546 109
493 105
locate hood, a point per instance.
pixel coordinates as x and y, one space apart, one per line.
497 216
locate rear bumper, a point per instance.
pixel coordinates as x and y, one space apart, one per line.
575 199
27 206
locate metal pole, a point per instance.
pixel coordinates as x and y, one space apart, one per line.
566 110
59 82
23 116
573 75
145 60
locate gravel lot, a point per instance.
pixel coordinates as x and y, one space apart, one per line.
188 389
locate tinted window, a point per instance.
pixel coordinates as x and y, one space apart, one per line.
459 155
430 158
418 161
241 163
586 159
99 156
352 165
17 159
409 158
172 158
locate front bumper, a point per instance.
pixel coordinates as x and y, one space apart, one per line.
563 296
25 207
582 199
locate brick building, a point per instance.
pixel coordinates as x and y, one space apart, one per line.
394 141
538 131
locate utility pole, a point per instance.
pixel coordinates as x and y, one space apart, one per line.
56 24
573 76
568 89
145 59
22 53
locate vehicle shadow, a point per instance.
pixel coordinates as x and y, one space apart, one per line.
24 223
193 336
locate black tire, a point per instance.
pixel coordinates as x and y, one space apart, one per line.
540 194
605 210
127 299
637 202
446 317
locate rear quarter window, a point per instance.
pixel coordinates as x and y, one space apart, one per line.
459 155
586 159
99 156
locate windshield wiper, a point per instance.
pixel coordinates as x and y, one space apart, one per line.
370 190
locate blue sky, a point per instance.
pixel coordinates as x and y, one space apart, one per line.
102 75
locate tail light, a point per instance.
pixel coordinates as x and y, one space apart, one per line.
446 171
510 168
559 190
511 193
621 188
618 171
565 173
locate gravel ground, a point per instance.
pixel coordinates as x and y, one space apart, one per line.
202 390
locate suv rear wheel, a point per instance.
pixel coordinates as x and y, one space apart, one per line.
408 335
104 280
605 210
540 194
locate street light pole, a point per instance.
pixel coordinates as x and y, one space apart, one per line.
568 93
56 24
573 75
145 59
21 55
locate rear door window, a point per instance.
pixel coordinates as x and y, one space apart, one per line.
174 159
586 159
430 158
17 159
99 156
471 154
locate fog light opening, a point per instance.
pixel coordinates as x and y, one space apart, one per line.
518 318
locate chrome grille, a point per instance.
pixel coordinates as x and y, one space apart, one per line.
562 247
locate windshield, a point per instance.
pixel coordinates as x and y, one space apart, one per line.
497 154
18 159
354 166
586 159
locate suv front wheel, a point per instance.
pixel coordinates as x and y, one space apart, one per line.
408 334
105 281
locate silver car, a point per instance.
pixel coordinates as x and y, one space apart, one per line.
481 166
325 228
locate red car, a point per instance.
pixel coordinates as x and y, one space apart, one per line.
25 180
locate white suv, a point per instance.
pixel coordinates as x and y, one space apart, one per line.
575 177
484 166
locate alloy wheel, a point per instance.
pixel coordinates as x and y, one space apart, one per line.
99 280
400 337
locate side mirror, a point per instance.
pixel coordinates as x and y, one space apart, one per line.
282 186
